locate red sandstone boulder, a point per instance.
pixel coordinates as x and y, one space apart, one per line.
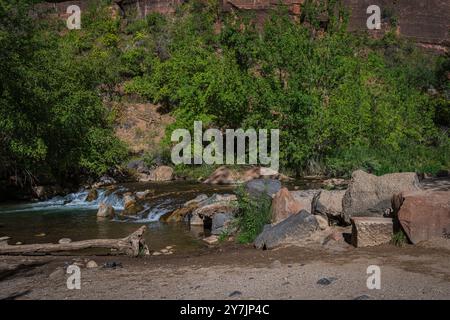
424 214
284 205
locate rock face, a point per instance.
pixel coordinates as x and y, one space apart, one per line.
258 187
369 195
105 211
371 231
329 204
295 228
424 215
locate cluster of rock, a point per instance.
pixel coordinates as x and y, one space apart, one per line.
375 207
225 175
214 212
146 174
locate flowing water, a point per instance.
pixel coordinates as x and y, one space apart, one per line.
73 217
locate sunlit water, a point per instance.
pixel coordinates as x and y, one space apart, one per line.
73 217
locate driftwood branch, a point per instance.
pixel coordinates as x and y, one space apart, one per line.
131 245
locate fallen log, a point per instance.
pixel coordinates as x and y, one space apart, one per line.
131 245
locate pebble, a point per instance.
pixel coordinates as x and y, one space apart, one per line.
362 297
325 281
235 293
18 243
164 250
156 253
64 240
91 264
42 234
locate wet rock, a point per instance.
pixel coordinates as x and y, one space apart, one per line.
258 187
40 192
329 204
105 211
197 200
131 207
371 231
141 195
211 240
179 214
424 215
91 264
369 195
103 182
295 228
92 195
209 210
64 240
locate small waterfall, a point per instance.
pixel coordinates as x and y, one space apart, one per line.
78 200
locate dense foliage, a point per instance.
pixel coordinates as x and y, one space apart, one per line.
341 100
53 121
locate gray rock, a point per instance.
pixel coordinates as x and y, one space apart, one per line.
258 187
369 195
138 165
295 228
219 221
329 204
64 240
326 281
235 293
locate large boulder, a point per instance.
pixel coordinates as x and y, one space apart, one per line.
284 205
294 229
220 222
258 187
105 211
329 204
371 231
307 198
424 214
162 173
369 195
209 210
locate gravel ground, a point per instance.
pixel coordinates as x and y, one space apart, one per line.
238 272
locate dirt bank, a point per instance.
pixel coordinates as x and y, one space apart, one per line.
215 273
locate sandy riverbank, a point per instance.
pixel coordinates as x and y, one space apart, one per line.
238 272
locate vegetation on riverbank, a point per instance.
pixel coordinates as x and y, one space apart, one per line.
342 101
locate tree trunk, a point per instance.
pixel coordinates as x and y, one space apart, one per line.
131 245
